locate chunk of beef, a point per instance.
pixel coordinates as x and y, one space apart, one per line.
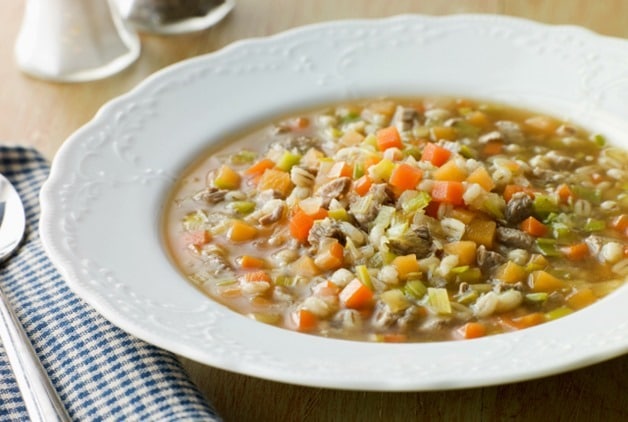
488 260
211 195
301 143
561 162
364 209
404 118
416 240
326 228
514 238
519 208
510 131
334 189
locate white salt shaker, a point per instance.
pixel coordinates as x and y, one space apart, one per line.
74 40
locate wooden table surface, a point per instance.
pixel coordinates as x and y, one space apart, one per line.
43 114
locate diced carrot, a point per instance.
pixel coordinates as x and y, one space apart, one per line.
362 185
388 138
227 178
525 321
248 262
240 231
405 265
510 190
259 275
443 132
482 178
276 180
305 320
493 148
511 272
481 231
542 281
198 237
473 330
257 169
405 176
435 154
356 295
464 249
448 191
305 266
575 252
330 256
450 172
533 227
581 298
564 192
301 223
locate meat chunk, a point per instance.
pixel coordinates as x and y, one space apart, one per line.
417 240
325 228
301 143
273 216
514 238
519 208
404 118
334 189
364 209
488 260
510 131
211 195
560 161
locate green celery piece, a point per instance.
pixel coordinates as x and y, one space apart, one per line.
471 275
416 203
415 289
594 225
592 195
243 207
467 297
438 299
363 275
287 160
370 141
383 169
494 205
467 152
243 157
358 170
414 152
547 247
544 205
558 313
338 214
536 297
599 139
460 269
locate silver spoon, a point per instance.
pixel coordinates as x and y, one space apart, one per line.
41 400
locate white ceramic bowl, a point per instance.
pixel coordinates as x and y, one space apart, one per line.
102 204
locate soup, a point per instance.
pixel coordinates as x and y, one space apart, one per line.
405 220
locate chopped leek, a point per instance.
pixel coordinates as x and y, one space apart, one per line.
558 313
395 300
438 300
547 247
382 170
536 297
288 160
544 205
468 297
243 207
339 214
415 289
470 275
594 225
243 157
416 203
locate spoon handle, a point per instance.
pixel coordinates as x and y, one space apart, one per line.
41 400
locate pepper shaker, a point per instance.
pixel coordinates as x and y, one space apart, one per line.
74 40
174 16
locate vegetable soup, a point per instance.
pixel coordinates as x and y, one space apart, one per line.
405 220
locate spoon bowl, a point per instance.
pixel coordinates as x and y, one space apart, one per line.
12 218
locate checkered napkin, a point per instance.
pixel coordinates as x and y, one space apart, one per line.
99 371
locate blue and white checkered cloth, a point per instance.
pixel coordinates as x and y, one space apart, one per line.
100 372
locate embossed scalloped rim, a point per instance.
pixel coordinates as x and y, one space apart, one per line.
210 334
